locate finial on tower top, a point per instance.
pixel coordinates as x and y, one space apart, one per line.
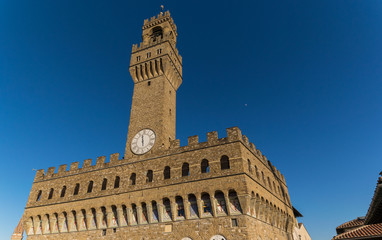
161 8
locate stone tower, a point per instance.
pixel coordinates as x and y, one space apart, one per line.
156 69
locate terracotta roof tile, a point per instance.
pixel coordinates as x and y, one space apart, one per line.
372 230
353 223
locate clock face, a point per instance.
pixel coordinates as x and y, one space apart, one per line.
143 141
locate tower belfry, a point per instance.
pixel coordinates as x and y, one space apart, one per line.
156 69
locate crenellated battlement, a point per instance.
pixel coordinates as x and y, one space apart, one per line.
74 167
233 135
160 18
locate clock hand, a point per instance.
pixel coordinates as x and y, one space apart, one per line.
142 141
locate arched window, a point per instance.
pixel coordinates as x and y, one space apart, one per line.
124 214
249 166
116 182
63 191
76 189
263 177
155 211
104 217
74 214
206 204
221 207
167 172
205 167
180 207
257 172
115 221
234 202
224 162
38 196
274 186
149 176
167 209
94 217
185 170
104 184
269 183
133 178
193 206
90 187
135 213
83 214
145 216
156 32
50 193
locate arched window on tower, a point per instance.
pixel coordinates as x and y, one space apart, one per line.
90 186
63 191
116 182
104 184
185 170
167 172
149 176
249 166
157 32
205 167
133 178
224 162
51 193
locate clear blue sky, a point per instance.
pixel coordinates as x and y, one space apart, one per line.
302 79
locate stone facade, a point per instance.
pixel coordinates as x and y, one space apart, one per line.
223 188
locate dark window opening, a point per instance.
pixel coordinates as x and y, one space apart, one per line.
185 170
50 193
149 176
157 31
133 178
104 184
148 83
76 189
63 191
234 222
39 196
224 162
90 187
116 182
104 232
205 167
167 172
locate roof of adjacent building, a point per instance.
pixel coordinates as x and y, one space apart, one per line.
296 212
364 232
353 223
374 214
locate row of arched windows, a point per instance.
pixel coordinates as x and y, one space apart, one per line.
190 206
204 167
267 182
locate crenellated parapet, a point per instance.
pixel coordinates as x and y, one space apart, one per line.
160 18
75 169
